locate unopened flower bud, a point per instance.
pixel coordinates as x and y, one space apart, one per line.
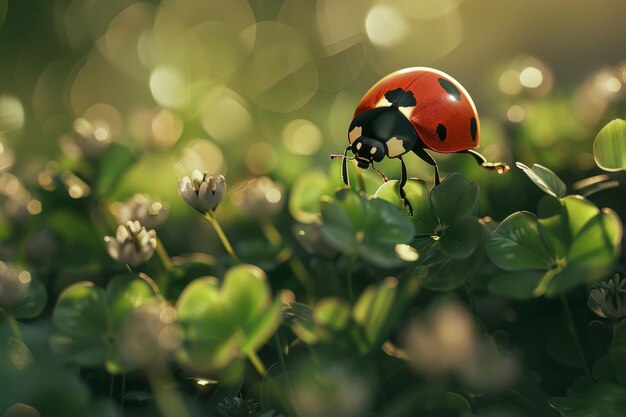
201 191
132 244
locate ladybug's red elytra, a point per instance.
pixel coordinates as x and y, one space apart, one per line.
414 109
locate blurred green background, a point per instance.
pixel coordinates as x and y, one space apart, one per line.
247 88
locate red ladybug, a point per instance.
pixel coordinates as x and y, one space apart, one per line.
414 109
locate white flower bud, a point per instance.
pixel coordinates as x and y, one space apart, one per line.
132 245
202 192
142 208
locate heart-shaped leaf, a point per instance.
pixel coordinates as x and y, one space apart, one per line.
220 322
88 318
368 229
517 245
304 200
461 238
424 219
454 198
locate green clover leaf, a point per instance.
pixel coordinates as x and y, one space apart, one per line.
365 228
89 318
609 147
222 323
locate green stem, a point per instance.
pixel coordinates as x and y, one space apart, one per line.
163 256
283 364
256 362
271 233
574 334
279 350
299 271
14 326
167 398
303 276
470 297
350 284
164 278
122 395
210 216
111 385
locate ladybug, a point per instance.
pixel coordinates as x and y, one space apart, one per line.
414 109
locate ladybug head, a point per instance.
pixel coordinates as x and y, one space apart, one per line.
367 150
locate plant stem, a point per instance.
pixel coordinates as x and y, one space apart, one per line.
210 216
299 271
350 284
279 350
167 398
163 256
15 328
303 276
111 385
470 297
574 334
122 395
283 364
271 233
256 362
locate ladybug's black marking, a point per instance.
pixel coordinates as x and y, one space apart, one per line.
441 132
450 89
400 98
473 128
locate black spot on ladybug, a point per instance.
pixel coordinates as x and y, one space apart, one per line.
473 128
442 132
450 89
400 98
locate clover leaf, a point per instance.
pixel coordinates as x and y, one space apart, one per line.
571 242
224 323
609 147
368 323
89 318
545 179
369 229
447 235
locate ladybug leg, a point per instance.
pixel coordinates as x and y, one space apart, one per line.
344 167
499 167
382 175
425 156
403 179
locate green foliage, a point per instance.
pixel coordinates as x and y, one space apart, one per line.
33 303
368 323
609 148
222 322
449 238
368 229
89 319
570 242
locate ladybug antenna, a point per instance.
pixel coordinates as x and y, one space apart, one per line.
337 156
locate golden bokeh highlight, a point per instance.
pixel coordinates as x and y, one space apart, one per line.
281 74
385 26
169 88
202 155
261 158
516 113
167 128
225 115
302 137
